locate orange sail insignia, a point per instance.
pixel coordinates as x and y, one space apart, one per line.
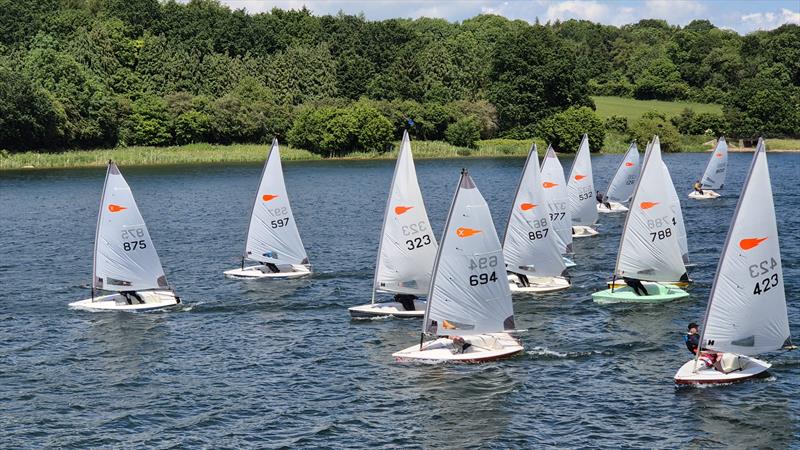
463 232
268 197
750 243
116 208
548 185
579 177
648 205
401 209
527 206
628 164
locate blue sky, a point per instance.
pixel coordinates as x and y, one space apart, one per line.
740 15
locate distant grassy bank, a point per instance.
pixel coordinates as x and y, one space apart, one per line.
254 153
632 109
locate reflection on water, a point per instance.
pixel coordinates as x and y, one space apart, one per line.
280 363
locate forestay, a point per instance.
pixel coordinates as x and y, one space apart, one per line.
747 304
555 193
580 188
272 236
408 247
469 294
677 211
621 187
530 245
125 258
649 248
714 176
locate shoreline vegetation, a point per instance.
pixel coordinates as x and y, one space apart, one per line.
256 153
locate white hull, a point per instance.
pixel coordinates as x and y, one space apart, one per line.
615 208
707 194
116 302
485 347
385 309
750 368
258 272
537 284
579 231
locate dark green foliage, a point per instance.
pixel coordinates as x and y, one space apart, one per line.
643 130
565 130
617 123
93 73
464 132
687 122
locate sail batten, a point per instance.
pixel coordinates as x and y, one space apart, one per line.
469 291
555 191
746 312
272 235
649 248
580 187
407 246
125 258
621 187
530 246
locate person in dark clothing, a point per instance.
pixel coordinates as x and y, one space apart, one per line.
523 279
130 295
698 187
272 267
636 285
692 338
602 199
406 300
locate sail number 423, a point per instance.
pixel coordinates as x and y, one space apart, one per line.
761 269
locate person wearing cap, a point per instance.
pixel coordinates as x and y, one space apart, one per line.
692 338
698 187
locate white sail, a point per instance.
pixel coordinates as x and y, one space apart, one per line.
714 176
649 248
469 293
125 258
530 245
580 187
407 247
747 304
677 211
621 187
555 192
272 236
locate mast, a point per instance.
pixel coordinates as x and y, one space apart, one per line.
533 150
97 227
255 197
648 151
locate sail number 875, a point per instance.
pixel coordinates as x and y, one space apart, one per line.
483 263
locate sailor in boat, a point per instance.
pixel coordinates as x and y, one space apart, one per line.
130 295
272 267
602 199
407 300
636 285
523 279
707 358
692 338
698 187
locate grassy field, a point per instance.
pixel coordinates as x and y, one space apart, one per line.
633 109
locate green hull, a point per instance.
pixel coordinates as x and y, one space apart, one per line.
657 294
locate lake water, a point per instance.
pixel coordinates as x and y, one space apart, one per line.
281 364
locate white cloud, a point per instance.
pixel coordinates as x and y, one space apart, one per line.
769 20
572 9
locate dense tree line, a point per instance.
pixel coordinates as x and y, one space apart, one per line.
92 73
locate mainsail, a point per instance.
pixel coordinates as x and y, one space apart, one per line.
125 258
621 188
747 305
675 204
580 187
272 236
714 176
469 293
530 245
555 192
649 248
407 247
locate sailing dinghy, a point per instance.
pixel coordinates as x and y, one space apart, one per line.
649 250
621 187
530 249
469 304
272 237
125 259
714 176
580 189
746 313
555 193
407 247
